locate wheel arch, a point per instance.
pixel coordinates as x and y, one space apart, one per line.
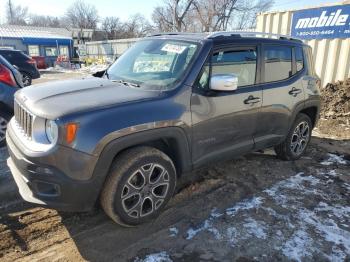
311 112
311 108
170 140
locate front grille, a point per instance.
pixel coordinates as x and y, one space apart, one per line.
24 120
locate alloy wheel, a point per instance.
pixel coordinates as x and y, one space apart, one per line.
26 80
300 138
145 190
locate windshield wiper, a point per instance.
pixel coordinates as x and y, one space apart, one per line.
126 83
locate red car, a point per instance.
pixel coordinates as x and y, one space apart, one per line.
40 62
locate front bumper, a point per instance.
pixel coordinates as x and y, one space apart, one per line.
42 183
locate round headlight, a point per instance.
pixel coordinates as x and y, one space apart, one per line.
51 130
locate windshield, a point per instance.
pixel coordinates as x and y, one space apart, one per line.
153 64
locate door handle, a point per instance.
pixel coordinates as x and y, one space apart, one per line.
252 100
294 92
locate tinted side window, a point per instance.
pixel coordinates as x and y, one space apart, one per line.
242 63
278 63
299 58
8 56
20 56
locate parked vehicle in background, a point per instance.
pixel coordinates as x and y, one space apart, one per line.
79 55
40 62
10 82
169 104
26 65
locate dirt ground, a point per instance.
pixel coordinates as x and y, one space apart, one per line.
254 208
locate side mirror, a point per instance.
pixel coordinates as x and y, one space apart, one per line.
224 82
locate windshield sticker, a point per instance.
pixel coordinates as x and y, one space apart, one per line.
178 49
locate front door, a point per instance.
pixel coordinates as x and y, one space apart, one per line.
224 121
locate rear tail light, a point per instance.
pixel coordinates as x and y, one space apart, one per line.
31 61
6 76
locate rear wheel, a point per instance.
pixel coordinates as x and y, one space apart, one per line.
26 79
4 119
297 140
140 183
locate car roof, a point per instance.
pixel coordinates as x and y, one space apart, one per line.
229 37
9 50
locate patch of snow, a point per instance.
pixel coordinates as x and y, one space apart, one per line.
334 159
192 232
215 214
336 210
311 226
206 225
327 227
255 202
298 246
173 231
156 257
255 228
231 235
346 186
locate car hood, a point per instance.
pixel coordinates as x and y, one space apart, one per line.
55 99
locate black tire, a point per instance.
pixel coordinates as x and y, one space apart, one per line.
289 149
26 79
126 183
4 119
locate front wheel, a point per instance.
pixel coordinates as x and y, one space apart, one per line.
297 139
140 183
4 120
26 79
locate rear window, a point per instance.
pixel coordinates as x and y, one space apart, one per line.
21 55
278 63
14 56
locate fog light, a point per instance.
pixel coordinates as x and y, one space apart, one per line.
47 189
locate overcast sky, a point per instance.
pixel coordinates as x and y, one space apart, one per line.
124 8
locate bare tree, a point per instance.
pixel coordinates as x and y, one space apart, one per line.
137 26
16 15
112 26
44 21
214 15
162 18
208 15
247 13
171 16
82 15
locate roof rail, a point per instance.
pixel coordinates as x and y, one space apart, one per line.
174 33
250 34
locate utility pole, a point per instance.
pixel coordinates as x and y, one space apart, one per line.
10 12
174 14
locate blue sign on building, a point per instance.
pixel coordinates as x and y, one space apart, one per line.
324 22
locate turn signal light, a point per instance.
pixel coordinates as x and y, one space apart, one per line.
71 132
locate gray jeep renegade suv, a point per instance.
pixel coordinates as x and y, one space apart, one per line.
169 104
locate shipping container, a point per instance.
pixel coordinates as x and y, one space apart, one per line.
325 28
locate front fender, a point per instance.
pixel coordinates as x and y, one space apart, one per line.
114 147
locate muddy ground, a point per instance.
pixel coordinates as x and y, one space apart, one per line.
255 208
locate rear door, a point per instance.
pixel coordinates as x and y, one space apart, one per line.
224 121
282 79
